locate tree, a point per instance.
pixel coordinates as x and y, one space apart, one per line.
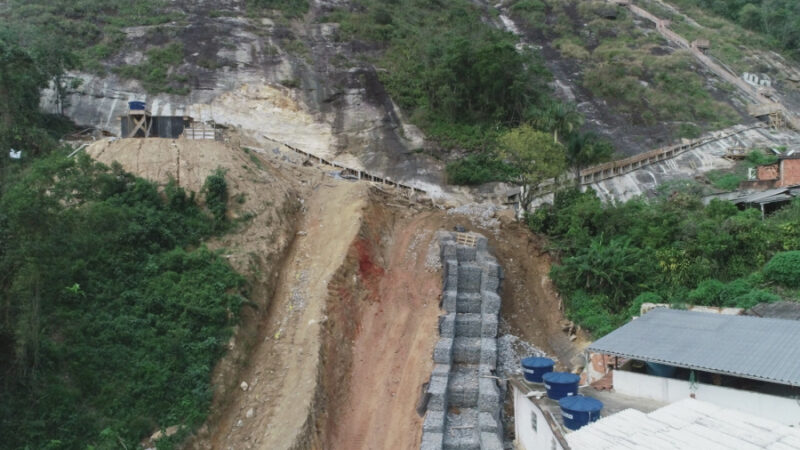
586 149
536 157
558 118
21 81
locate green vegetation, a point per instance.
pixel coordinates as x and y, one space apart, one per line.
460 79
778 21
88 30
157 72
628 67
290 8
535 156
112 316
216 193
784 269
729 180
24 72
479 168
671 249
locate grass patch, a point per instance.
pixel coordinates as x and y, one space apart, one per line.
158 73
629 68
91 29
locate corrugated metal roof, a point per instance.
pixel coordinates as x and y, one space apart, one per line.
682 425
743 346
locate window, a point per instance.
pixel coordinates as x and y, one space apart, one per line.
534 421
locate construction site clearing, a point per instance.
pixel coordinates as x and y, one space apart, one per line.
337 350
373 325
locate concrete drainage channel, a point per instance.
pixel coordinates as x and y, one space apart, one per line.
464 400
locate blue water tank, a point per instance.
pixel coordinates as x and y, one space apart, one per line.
661 370
579 410
534 367
561 384
136 106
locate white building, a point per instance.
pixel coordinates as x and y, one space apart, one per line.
681 379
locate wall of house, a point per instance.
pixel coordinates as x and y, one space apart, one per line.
668 390
790 172
528 438
769 172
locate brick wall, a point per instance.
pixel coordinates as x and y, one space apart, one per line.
769 172
790 172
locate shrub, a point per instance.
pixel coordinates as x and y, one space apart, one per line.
755 297
589 311
707 293
784 269
644 297
216 194
478 169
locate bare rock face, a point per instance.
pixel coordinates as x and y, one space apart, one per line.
274 81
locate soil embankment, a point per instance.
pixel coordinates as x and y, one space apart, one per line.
382 326
275 407
335 349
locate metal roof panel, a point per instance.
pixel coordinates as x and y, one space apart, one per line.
744 346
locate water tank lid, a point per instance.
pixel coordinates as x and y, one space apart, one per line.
561 377
535 362
581 403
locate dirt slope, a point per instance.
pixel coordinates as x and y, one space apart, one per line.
337 345
383 325
274 410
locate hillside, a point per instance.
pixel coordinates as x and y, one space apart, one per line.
275 280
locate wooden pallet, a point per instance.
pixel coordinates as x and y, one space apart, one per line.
465 239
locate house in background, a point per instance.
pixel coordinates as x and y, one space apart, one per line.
676 379
750 364
785 172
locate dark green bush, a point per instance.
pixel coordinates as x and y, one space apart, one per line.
669 249
478 169
216 194
784 269
129 321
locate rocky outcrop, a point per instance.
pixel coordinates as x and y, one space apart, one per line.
297 83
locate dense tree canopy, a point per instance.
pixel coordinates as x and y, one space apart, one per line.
669 249
110 317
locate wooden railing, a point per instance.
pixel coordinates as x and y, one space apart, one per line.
349 171
622 166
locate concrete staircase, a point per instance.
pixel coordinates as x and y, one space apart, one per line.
464 400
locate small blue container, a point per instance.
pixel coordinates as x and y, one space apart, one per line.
578 410
534 367
137 106
561 384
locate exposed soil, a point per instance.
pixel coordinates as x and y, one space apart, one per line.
275 409
383 324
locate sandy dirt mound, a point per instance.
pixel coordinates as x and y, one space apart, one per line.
188 162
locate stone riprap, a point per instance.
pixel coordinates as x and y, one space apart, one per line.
464 400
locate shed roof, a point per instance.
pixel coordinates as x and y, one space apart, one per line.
685 424
743 346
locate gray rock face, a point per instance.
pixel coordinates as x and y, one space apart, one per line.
465 401
237 68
